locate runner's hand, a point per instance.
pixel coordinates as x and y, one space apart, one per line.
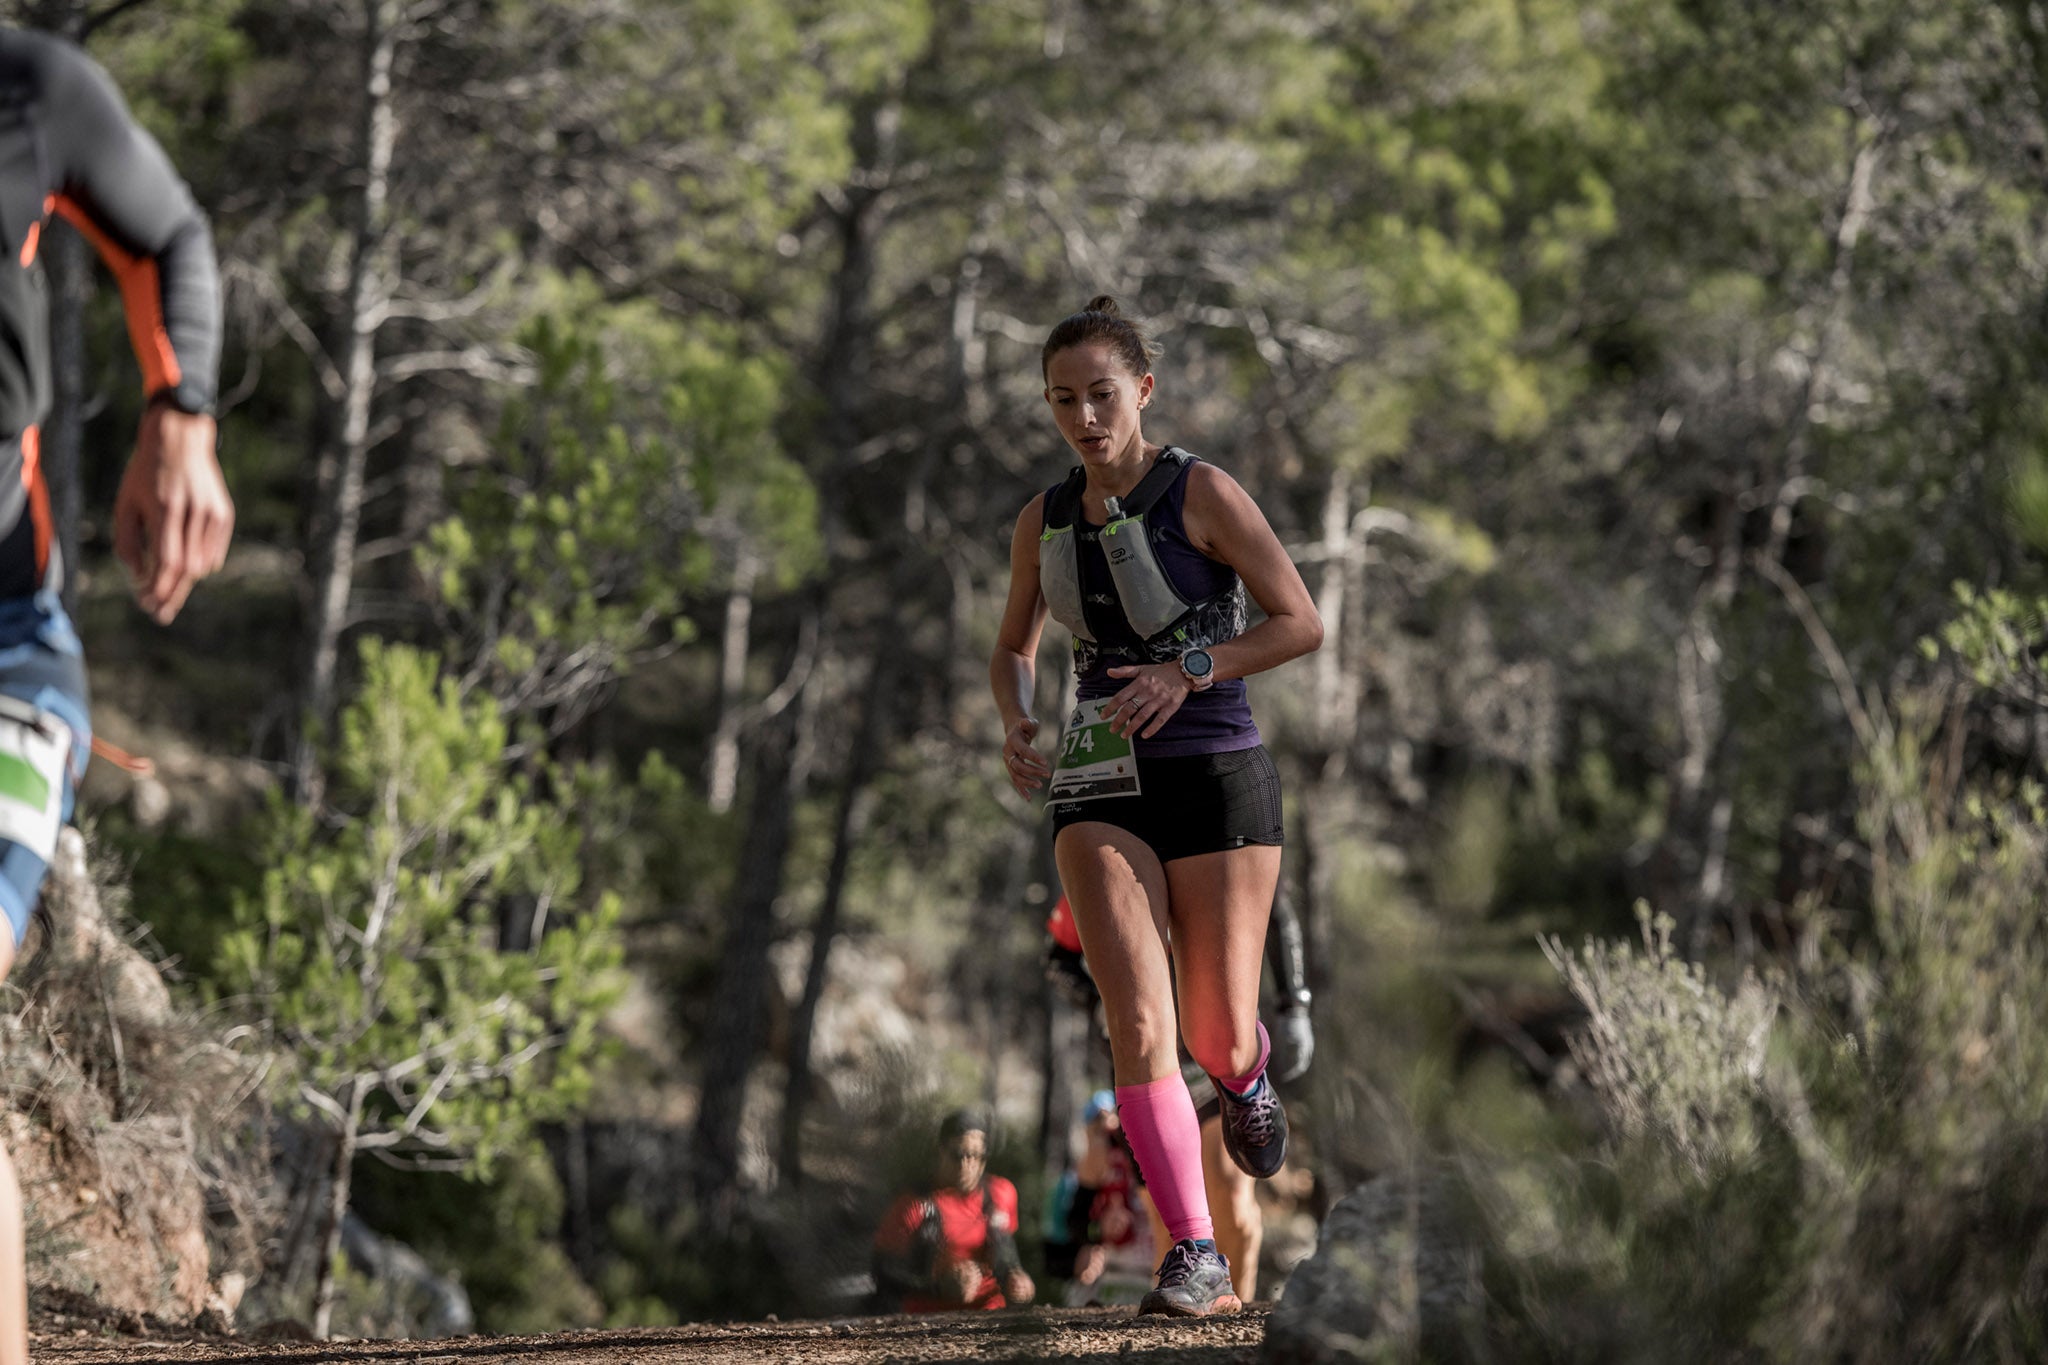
1017 1288
173 516
1149 700
966 1278
1026 770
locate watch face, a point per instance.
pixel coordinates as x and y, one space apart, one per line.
1197 663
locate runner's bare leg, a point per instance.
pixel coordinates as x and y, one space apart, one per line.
1220 905
1117 887
1234 1208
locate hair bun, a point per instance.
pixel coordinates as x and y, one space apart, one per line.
1102 321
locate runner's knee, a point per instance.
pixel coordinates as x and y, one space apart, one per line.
1216 1046
1140 1033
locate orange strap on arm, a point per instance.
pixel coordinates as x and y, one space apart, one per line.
142 299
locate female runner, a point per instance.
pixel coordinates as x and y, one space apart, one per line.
1166 805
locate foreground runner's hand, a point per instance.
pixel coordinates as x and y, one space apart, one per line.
1026 770
173 516
1018 1289
1153 695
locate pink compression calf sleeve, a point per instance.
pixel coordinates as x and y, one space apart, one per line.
1239 1084
1166 1138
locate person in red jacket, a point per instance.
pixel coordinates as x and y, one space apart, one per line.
956 1246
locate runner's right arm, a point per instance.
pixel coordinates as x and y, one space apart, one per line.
903 1261
1013 668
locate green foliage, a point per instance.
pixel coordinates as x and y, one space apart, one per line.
371 953
588 529
1997 637
1567 285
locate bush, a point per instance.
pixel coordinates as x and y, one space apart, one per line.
1848 1162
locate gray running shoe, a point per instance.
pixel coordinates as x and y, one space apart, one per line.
1254 1128
1194 1282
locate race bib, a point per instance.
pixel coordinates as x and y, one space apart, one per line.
34 749
1094 762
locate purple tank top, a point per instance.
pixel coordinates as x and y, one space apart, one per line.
1217 721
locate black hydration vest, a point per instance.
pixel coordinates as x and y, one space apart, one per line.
1152 606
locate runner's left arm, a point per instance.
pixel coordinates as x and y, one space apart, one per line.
173 516
1225 524
114 183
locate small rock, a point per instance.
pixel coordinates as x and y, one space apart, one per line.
283 1329
1396 1274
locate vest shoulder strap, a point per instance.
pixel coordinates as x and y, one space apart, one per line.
1063 504
1157 480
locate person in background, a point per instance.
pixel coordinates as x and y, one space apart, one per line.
1113 1260
69 147
955 1246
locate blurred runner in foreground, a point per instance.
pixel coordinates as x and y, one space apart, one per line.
69 147
955 1247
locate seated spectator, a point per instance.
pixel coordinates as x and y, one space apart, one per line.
955 1247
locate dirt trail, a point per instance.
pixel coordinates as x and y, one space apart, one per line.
1063 1334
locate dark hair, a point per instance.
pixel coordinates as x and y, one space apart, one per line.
962 1121
1102 321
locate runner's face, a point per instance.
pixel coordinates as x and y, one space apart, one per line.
1096 401
962 1161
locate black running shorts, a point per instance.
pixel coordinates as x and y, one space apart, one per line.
1201 803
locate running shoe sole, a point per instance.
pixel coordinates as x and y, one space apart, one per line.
1156 1304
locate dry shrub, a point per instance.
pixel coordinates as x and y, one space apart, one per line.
1849 1164
131 1122
1672 1057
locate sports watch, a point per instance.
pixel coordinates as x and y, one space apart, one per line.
1199 669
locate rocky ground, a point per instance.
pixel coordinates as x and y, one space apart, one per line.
81 1337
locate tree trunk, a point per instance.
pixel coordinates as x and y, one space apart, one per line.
846 830
738 1007
722 772
338 513
1685 880
337 1210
